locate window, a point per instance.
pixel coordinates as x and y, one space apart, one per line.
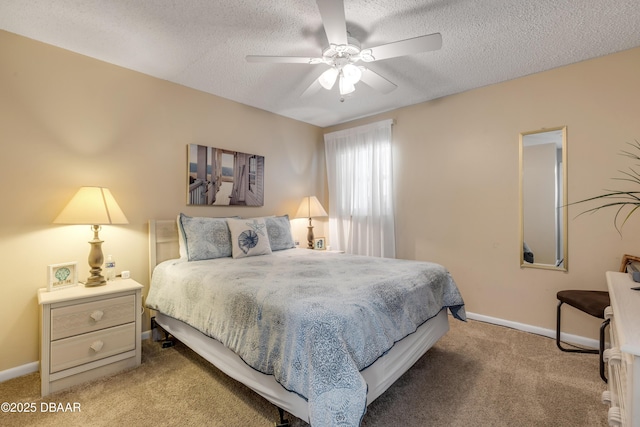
253 171
360 175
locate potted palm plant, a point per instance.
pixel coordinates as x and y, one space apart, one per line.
624 201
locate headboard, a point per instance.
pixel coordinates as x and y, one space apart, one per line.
163 242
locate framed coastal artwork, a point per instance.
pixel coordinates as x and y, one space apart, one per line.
219 177
318 243
62 275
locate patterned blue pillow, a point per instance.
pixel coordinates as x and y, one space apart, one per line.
279 230
249 237
205 238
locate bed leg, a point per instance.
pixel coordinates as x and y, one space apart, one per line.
282 422
156 330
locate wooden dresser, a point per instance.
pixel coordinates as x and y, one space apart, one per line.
623 356
88 332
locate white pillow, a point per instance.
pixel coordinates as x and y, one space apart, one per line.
248 237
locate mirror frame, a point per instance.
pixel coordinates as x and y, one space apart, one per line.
564 214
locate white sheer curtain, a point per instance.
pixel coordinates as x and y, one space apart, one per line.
360 175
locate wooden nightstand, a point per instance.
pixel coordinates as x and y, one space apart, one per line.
88 332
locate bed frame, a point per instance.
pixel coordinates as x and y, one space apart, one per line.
164 245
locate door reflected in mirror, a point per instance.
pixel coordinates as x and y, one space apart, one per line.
543 199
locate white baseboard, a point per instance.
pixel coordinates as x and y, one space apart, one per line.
19 371
30 368
551 333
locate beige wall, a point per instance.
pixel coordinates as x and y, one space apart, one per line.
67 121
456 184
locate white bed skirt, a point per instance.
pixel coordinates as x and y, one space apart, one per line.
379 376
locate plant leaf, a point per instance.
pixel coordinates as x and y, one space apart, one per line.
618 198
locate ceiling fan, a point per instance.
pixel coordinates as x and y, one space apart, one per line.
344 53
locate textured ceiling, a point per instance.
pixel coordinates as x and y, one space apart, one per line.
202 44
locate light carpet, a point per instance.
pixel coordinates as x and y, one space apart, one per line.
477 375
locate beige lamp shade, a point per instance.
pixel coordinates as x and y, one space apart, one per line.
92 206
310 207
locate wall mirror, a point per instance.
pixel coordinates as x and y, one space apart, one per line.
543 199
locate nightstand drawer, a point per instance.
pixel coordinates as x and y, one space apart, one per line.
88 332
69 352
92 316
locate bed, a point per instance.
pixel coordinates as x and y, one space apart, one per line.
319 334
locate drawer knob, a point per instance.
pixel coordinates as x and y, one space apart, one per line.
608 312
97 315
615 416
97 346
613 356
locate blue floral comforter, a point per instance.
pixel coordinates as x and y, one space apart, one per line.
312 319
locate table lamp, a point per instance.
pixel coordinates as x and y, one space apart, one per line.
93 206
310 207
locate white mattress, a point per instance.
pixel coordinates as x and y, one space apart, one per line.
379 376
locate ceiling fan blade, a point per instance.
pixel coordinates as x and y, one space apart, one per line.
407 47
335 24
312 89
376 81
283 59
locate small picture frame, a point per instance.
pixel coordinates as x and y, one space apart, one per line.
318 244
626 259
62 275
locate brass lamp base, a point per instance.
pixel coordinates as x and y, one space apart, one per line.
96 280
96 259
310 236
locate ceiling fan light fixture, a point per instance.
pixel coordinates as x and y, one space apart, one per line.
342 56
367 55
346 87
328 78
351 73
